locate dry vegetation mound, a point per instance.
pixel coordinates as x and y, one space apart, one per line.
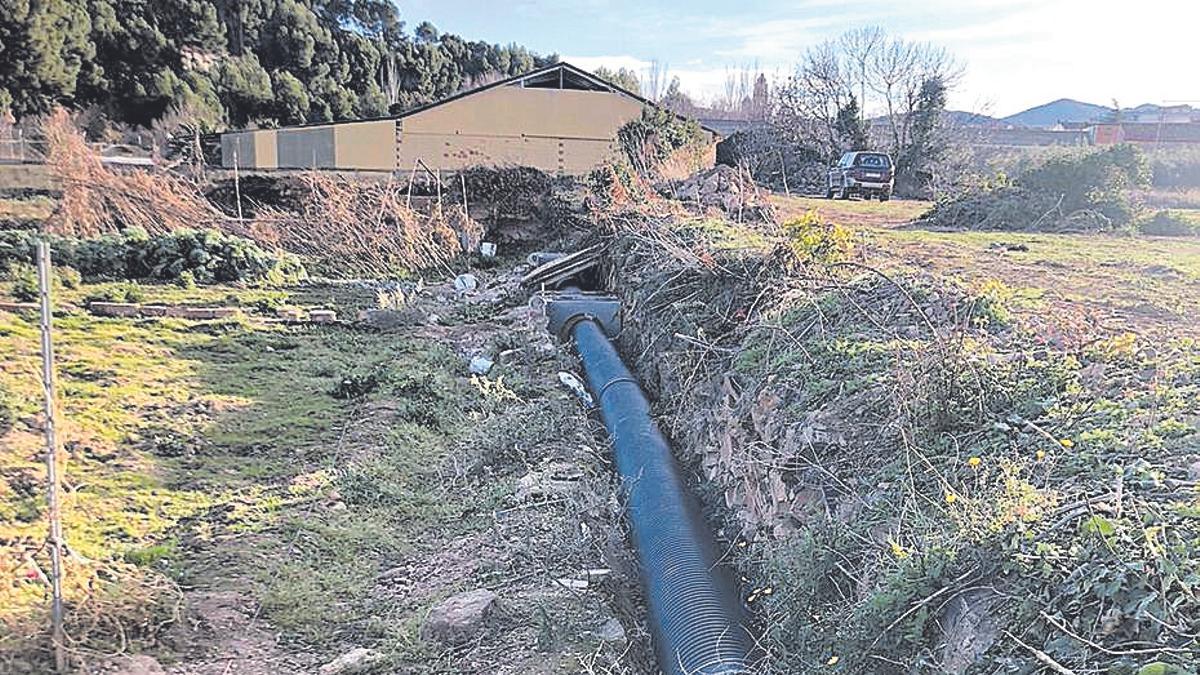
343 227
912 478
353 228
1077 191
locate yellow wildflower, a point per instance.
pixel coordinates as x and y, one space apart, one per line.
951 497
974 462
1041 454
832 660
897 549
1067 443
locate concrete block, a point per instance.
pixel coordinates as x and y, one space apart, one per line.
156 310
124 309
18 307
200 313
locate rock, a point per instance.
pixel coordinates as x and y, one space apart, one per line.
354 661
458 618
481 365
556 478
969 628
18 307
571 382
1194 470
465 282
322 316
611 630
138 664
487 249
156 310
207 312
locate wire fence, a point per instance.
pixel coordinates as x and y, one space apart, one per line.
22 150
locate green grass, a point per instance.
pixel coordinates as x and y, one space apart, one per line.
853 212
1128 282
183 434
27 209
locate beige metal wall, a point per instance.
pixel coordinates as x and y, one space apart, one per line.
367 146
266 151
250 150
555 130
563 131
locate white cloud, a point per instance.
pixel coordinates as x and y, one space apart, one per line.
612 62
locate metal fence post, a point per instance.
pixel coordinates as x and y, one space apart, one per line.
52 460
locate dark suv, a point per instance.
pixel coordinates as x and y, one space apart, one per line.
865 174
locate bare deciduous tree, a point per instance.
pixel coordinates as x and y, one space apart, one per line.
655 84
858 47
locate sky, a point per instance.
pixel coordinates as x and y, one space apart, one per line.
1016 53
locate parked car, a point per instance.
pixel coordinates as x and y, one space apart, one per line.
866 174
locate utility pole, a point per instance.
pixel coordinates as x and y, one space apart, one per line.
52 460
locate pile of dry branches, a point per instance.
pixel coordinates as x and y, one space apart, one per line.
96 199
345 227
366 228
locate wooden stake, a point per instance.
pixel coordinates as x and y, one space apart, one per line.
237 183
52 460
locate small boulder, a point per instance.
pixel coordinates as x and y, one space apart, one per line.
465 282
480 365
137 664
354 661
611 630
458 618
322 316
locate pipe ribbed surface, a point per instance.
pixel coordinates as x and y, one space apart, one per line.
695 614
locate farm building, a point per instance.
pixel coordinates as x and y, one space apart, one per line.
559 119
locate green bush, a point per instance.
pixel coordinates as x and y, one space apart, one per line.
652 137
25 283
129 292
7 410
1076 191
1169 224
68 277
207 255
813 240
1175 167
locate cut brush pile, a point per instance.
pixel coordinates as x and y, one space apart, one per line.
351 228
343 227
96 199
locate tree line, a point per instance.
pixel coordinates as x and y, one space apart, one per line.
235 62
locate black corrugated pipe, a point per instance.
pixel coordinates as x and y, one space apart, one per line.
694 611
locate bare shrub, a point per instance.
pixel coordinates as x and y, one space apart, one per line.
346 227
366 228
96 199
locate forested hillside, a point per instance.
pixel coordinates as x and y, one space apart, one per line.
235 62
